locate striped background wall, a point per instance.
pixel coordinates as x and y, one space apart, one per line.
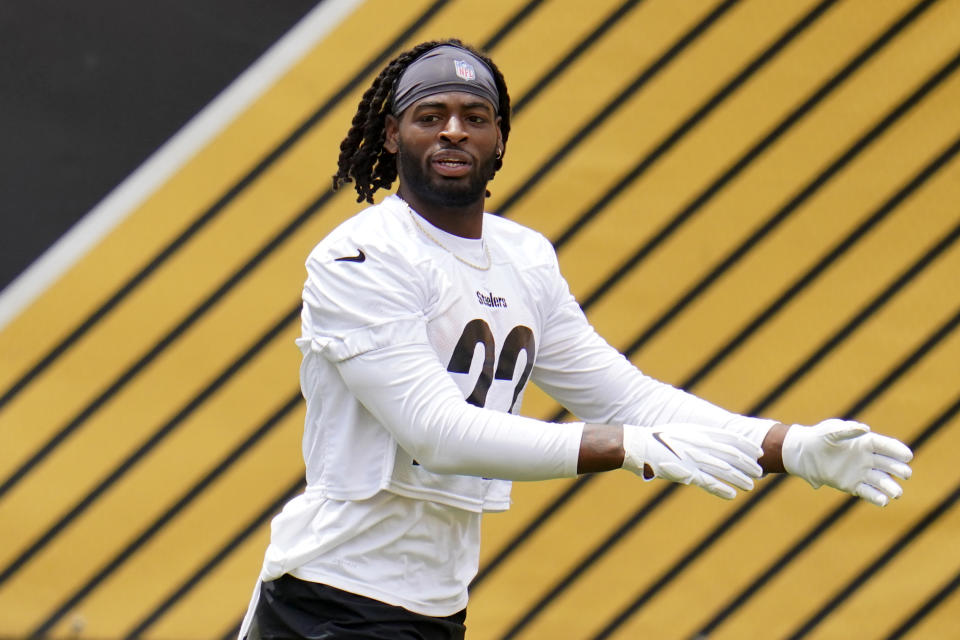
757 201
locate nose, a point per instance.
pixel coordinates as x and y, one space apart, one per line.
454 131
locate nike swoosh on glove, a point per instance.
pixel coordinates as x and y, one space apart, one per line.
846 455
710 458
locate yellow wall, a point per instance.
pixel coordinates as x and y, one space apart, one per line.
774 190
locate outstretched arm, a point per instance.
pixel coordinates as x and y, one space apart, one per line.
406 388
597 383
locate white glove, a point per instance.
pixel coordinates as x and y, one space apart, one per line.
846 455
692 454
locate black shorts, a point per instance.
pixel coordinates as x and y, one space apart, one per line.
293 608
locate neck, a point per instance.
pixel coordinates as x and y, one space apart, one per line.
466 221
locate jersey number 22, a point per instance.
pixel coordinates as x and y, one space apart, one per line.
478 331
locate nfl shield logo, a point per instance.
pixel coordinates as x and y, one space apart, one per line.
464 70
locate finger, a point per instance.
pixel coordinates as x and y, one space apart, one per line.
747 466
675 472
724 472
723 462
893 467
891 447
883 482
847 430
713 486
706 450
871 495
735 440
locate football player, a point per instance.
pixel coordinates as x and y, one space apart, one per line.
424 318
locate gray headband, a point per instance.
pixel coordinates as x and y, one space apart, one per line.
441 69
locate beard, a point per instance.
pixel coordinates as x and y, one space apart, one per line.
441 191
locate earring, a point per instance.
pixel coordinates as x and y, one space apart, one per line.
499 152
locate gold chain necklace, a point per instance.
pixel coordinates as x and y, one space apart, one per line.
429 235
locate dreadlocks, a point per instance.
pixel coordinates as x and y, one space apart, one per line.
363 159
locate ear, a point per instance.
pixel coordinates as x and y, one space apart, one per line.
392 133
500 148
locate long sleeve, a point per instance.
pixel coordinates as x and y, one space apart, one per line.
597 383
408 391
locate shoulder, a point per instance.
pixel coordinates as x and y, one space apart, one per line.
380 233
521 246
373 255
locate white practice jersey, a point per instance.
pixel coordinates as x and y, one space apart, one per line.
414 360
483 327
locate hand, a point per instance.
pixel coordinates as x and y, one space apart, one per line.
847 456
691 454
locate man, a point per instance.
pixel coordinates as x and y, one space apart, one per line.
423 320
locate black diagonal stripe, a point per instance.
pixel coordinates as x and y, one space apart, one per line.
698 116
573 54
538 520
871 308
706 542
293 400
645 76
151 354
164 431
640 81
201 309
784 212
878 392
858 407
745 594
769 488
593 297
926 608
879 563
229 196
821 527
794 376
512 23
861 317
246 531
760 581
131 460
630 523
821 266
233 631
131 372
756 150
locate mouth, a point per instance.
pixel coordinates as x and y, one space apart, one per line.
451 164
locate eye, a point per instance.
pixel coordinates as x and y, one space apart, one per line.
429 117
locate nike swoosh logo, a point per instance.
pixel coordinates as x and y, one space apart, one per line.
656 436
360 257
